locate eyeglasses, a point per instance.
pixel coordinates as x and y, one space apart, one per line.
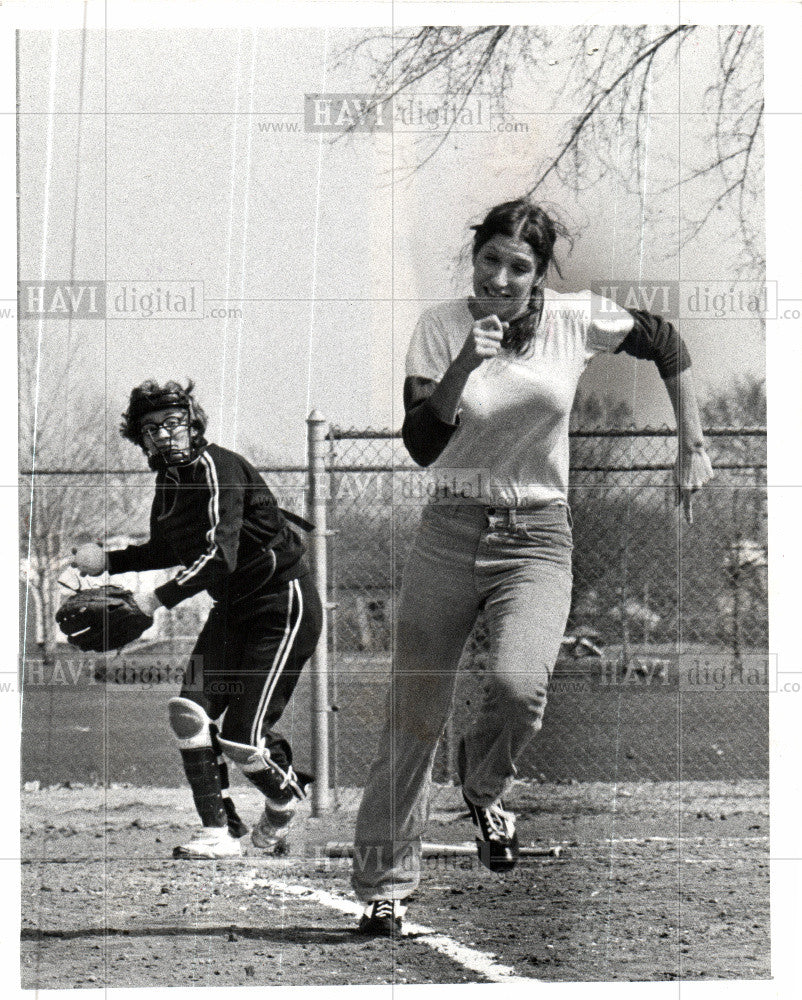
170 424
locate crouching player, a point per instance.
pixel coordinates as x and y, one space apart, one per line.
214 515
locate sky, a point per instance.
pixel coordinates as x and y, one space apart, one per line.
202 172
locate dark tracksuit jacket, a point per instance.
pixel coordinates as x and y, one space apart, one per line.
217 519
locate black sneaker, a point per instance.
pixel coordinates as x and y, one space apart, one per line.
382 918
497 842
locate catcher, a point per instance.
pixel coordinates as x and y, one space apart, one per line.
214 516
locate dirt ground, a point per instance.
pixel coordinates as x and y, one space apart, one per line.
656 881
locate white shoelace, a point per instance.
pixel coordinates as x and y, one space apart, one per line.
262 754
291 776
500 822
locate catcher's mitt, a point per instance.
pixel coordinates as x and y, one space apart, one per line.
98 619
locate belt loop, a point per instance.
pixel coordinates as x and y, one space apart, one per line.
511 518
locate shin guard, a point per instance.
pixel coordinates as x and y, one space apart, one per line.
192 728
272 774
203 775
235 825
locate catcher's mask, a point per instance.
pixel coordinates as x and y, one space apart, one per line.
166 437
166 423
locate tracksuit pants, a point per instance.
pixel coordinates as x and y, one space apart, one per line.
247 665
458 565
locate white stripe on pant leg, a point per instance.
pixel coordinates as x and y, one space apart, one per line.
481 962
290 644
259 715
278 670
256 725
280 663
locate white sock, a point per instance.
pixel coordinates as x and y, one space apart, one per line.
216 832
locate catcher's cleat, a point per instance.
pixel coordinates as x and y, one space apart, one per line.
272 830
211 843
497 842
382 918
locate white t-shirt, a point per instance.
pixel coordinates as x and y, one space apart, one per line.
511 445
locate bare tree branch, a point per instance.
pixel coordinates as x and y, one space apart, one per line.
597 100
612 73
465 94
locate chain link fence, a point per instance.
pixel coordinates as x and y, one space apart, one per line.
664 672
660 675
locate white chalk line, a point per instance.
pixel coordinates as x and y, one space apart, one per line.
481 962
699 838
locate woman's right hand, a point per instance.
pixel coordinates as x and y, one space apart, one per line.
89 559
483 342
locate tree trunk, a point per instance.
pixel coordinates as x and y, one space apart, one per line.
48 634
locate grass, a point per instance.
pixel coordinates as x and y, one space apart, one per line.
79 730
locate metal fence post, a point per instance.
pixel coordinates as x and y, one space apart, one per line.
316 499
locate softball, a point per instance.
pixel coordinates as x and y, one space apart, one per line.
89 559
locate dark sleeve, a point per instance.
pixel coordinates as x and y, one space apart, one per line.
217 538
138 559
655 339
425 434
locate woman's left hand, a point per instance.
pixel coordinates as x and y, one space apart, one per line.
691 471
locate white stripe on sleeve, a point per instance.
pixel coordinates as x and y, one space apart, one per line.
214 519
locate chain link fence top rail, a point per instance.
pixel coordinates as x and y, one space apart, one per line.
668 622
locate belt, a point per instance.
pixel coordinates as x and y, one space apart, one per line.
510 517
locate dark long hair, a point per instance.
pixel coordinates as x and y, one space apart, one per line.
524 220
150 396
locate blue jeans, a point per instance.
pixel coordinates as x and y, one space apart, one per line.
458 565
